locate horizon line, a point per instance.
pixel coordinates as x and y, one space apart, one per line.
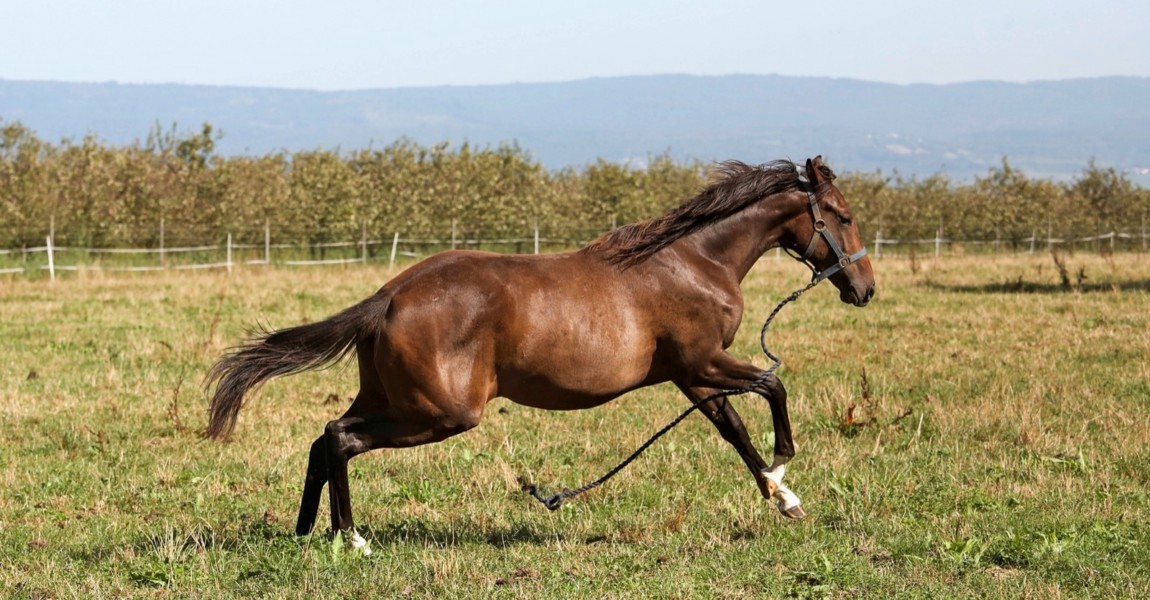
559 82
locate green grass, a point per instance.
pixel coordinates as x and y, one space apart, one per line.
999 448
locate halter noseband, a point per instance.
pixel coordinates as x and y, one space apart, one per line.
843 261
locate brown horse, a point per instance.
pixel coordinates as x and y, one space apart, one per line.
643 304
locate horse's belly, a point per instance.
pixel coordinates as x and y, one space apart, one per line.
550 395
574 377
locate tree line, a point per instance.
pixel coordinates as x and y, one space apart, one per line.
92 194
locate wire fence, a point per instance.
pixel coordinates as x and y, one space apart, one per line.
1113 241
55 260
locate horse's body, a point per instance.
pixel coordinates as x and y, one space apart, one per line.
644 304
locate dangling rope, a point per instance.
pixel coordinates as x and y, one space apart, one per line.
554 501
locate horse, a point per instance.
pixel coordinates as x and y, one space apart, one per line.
642 304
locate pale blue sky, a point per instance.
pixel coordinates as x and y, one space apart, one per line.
360 44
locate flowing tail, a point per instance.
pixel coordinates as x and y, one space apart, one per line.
285 352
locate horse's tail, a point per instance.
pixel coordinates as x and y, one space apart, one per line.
285 352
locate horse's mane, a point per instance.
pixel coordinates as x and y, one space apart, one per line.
736 186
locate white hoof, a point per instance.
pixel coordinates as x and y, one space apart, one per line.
786 499
358 544
795 512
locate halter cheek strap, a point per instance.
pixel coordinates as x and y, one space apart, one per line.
843 261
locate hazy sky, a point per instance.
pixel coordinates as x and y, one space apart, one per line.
357 44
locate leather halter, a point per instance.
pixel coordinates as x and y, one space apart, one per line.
842 260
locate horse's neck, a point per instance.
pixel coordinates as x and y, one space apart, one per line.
738 241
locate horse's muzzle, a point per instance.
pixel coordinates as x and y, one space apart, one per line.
857 297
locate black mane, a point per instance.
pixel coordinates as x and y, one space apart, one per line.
737 186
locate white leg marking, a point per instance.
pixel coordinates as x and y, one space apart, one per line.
776 471
784 497
358 543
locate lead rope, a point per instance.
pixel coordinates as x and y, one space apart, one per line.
554 501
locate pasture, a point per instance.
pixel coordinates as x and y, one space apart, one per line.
981 429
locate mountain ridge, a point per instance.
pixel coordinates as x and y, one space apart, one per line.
1048 128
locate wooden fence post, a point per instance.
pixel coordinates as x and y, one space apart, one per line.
394 247
938 238
163 262
878 244
51 260
453 234
363 243
229 255
536 236
267 242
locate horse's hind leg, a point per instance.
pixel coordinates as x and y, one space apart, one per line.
313 484
351 436
368 401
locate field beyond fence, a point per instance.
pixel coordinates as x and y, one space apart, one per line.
982 429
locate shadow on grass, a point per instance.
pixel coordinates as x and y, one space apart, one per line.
414 531
1021 286
173 541
172 546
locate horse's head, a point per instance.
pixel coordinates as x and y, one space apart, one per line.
823 234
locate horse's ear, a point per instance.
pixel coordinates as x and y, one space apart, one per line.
817 171
814 169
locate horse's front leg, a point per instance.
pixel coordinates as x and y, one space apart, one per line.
722 414
776 394
728 373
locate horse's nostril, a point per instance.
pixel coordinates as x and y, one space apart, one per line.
862 298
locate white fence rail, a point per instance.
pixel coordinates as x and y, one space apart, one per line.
229 249
939 241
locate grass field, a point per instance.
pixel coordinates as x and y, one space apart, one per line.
980 430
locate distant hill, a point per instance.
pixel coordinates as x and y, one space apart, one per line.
1048 128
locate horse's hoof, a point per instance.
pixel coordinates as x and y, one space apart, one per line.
795 512
360 545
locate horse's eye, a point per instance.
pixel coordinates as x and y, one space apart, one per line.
845 220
